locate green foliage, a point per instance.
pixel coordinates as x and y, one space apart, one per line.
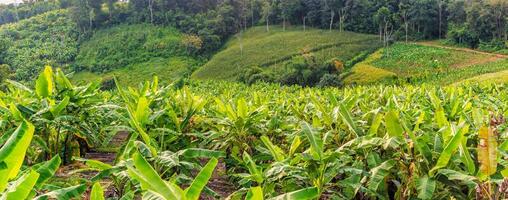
127 45
276 141
416 64
11 13
271 50
169 69
46 39
409 60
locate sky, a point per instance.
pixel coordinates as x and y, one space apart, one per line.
9 1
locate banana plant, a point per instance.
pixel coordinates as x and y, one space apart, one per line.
64 115
237 125
16 184
153 186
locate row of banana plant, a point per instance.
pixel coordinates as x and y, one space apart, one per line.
366 142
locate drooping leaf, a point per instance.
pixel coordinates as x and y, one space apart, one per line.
316 143
44 83
450 149
255 193
459 176
379 173
294 145
94 164
64 193
426 187
193 192
303 194
21 188
348 119
58 108
13 152
253 168
487 152
276 152
97 192
47 169
201 153
392 124
150 180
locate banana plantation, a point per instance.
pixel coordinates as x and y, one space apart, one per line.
222 140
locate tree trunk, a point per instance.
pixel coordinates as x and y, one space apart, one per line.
267 25
304 28
284 24
406 27
150 7
252 12
16 11
331 19
440 17
241 43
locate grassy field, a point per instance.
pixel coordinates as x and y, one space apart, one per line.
167 69
413 63
133 54
365 73
497 77
124 45
256 47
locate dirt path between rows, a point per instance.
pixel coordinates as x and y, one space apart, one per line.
218 183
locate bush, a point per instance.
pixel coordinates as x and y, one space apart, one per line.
492 46
330 80
46 39
125 45
108 83
460 34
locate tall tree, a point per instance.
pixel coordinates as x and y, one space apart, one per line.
267 9
288 9
404 7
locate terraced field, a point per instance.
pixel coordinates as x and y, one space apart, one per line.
256 47
416 63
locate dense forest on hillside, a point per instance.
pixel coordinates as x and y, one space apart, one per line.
472 23
254 99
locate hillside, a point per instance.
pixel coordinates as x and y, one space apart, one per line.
496 77
134 53
269 50
45 39
415 63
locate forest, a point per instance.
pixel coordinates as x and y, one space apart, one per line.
254 99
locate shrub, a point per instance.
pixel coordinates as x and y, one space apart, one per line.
460 34
192 43
492 46
108 83
330 80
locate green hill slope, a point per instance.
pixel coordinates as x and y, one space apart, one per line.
134 53
413 63
46 39
256 47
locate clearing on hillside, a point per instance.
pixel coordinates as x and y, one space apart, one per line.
496 77
414 63
258 48
134 53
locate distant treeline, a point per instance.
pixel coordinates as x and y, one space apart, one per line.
466 22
